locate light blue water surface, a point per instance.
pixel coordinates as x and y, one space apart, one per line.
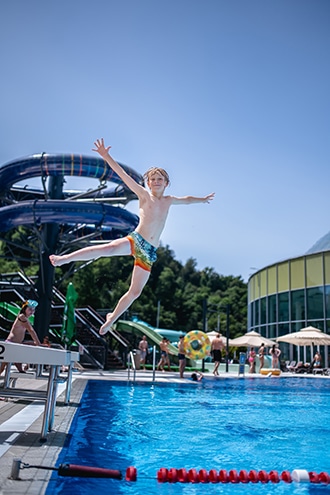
271 424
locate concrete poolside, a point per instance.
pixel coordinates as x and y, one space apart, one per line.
21 420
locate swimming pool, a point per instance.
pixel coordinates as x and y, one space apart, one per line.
270 424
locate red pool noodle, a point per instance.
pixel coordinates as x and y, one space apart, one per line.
75 470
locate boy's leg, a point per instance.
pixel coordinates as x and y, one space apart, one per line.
139 279
118 247
181 368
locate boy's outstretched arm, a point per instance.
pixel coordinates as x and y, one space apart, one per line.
104 153
188 200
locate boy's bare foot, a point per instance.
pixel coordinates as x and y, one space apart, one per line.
56 260
106 326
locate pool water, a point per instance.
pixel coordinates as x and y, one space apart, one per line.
270 424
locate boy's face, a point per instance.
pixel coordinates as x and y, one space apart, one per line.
29 311
157 181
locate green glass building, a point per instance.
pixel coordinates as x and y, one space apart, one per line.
286 296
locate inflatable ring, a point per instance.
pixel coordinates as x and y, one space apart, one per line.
270 371
197 345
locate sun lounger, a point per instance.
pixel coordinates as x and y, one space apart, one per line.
321 371
290 365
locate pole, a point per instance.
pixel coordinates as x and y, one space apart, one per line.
204 326
158 314
227 337
44 284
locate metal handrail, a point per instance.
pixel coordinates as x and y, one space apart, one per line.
131 360
153 363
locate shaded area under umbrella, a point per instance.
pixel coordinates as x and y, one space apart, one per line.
68 330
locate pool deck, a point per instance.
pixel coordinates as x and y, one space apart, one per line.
21 422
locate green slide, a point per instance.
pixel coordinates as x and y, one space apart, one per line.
10 311
138 328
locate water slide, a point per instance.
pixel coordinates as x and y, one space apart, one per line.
10 311
139 329
46 165
63 210
37 212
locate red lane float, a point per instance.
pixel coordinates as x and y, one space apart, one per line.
324 478
203 476
223 476
182 476
213 476
263 476
243 476
274 477
193 476
172 475
253 476
314 477
131 473
233 476
286 476
162 475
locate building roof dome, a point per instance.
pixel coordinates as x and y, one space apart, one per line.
322 244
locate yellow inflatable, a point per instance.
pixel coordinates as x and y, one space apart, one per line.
270 371
197 345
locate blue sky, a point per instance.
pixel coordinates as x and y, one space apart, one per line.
230 96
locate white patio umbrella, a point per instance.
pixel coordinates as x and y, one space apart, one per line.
306 336
251 339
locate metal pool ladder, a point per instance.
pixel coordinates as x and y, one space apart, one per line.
131 363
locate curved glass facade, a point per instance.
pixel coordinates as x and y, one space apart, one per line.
289 295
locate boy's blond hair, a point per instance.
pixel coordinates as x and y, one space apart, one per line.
153 170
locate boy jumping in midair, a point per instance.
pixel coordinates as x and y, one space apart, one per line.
142 244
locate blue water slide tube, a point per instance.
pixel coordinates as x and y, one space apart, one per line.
25 193
62 212
44 165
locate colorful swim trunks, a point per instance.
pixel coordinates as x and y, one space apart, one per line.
143 252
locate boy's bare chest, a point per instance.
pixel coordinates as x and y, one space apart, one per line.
157 207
